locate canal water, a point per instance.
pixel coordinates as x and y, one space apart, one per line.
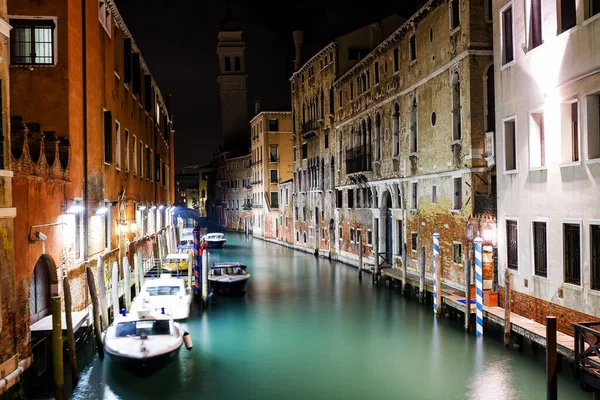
309 329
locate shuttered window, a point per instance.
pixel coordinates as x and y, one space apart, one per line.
536 23
136 74
107 137
127 60
507 36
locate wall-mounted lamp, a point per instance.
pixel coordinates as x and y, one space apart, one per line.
487 234
101 210
133 227
74 209
161 207
153 207
141 208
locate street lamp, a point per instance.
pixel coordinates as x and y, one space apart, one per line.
487 234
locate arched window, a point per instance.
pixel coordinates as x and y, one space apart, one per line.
413 125
203 193
378 137
456 123
396 131
227 64
237 65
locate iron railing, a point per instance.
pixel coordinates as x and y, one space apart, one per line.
358 159
513 244
540 254
572 256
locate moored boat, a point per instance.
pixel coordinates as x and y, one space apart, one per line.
214 240
228 278
164 293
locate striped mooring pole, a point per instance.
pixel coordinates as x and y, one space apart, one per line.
478 286
436 252
197 258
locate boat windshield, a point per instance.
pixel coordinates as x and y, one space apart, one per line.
165 290
229 271
143 328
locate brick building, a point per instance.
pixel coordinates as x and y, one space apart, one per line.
91 133
548 150
271 155
411 126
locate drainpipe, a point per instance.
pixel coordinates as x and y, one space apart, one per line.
85 152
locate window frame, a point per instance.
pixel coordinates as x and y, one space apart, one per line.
412 47
594 155
516 221
503 62
454 245
569 135
541 133
35 18
457 199
579 223
590 253
515 144
117 145
135 161
532 223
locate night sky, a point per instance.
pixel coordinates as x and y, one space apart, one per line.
178 40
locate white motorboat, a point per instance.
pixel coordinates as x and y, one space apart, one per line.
214 240
144 341
228 278
164 293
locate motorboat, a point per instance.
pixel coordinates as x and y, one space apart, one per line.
143 341
228 278
165 293
214 240
186 243
176 262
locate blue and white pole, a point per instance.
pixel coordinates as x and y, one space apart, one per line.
436 253
478 286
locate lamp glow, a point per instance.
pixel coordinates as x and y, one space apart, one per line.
141 208
487 233
133 227
101 210
74 209
161 207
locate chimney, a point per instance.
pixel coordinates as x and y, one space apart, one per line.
298 39
256 107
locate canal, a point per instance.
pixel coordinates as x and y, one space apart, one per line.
309 329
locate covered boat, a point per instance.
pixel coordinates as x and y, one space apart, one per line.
214 240
228 278
164 293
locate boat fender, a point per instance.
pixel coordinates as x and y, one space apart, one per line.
187 340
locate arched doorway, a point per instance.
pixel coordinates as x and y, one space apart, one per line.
43 285
387 206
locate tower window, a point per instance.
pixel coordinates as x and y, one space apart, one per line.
227 64
237 64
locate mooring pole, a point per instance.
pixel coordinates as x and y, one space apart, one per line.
141 271
70 333
190 269
197 260
467 296
436 283
95 309
551 382
478 286
404 268
205 279
127 282
507 325
376 252
422 275
57 347
136 273
360 255
102 286
115 290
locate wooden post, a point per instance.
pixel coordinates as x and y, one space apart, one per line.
141 271
438 277
57 347
95 309
205 278
507 325
102 286
115 290
70 333
127 283
467 296
422 275
190 254
551 382
360 255
136 273
376 252
404 269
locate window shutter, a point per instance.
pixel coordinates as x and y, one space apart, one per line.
157 165
127 60
107 136
165 128
148 92
136 73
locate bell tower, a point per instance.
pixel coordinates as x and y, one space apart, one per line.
232 85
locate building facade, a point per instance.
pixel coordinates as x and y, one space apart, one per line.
411 128
187 190
548 152
237 194
92 133
271 155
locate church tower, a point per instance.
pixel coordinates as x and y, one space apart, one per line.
232 84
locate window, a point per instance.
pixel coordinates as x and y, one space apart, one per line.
227 64
32 42
141 164
351 90
358 235
569 132
512 244
413 241
457 197
352 238
413 126
286 221
107 226
535 23
396 131
126 150
104 16
78 234
454 15
107 137
434 194
413 47
572 253
566 15
537 143
273 154
326 139
273 125
396 60
338 199
507 35
593 128
540 261
376 73
274 176
595 256
369 238
236 64
274 199
304 150
117 144
340 233
457 253
456 123
341 101
413 196
510 146
350 198
400 236
135 162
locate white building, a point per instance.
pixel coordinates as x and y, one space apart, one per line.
547 75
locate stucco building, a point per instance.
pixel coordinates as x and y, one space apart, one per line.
91 149
237 193
546 61
411 128
271 155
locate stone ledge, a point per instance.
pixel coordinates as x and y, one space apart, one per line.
8 212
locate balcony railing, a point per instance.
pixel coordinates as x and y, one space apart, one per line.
358 159
309 129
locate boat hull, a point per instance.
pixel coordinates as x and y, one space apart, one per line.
215 244
231 288
143 366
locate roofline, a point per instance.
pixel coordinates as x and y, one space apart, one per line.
327 48
270 112
392 38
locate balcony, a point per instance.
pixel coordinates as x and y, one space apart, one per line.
358 159
309 129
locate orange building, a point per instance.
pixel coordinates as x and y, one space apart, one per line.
92 150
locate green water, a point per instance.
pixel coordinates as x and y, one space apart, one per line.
309 329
